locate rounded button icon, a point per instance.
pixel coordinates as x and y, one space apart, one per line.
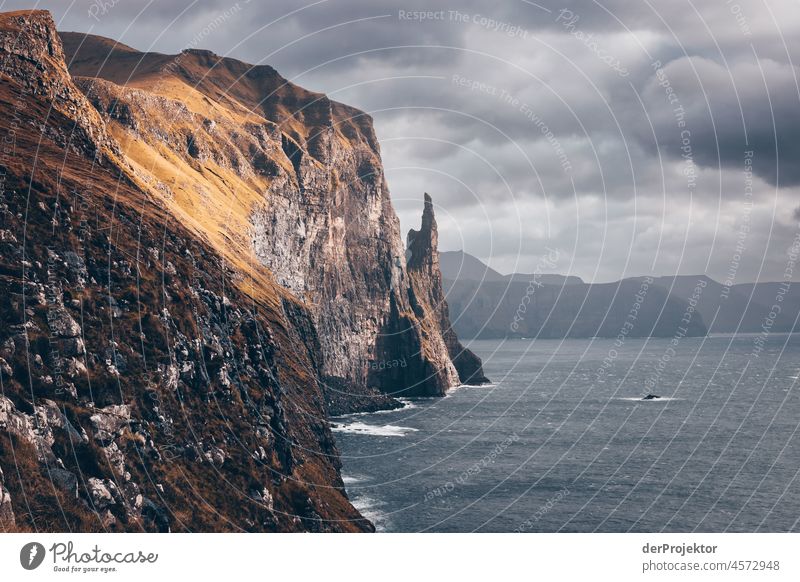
31 555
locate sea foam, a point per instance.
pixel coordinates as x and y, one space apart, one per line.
387 430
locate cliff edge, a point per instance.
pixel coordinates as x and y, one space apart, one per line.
428 294
149 382
199 264
238 150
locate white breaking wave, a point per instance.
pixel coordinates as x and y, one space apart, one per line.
407 405
387 430
659 399
370 508
454 389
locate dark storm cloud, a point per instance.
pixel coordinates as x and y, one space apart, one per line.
482 104
745 107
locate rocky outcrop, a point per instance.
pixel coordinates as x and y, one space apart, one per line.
429 298
329 234
209 267
7 519
34 58
152 380
309 190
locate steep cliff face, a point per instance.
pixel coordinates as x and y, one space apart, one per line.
150 379
234 149
35 61
330 234
428 295
199 262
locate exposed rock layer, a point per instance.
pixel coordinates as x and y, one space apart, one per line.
305 179
427 292
209 253
148 383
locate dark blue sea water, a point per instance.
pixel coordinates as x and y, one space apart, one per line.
555 445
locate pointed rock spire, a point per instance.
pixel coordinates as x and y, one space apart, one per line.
423 244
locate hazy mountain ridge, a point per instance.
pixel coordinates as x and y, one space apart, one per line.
461 266
567 307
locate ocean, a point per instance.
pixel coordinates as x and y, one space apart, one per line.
561 441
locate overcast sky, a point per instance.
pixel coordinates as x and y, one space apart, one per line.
622 134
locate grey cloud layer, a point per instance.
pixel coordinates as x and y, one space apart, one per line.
481 108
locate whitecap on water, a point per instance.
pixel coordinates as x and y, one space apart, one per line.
351 479
371 509
454 389
387 430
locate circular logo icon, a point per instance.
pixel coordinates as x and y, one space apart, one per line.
31 555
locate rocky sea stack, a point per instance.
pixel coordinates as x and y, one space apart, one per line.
199 264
